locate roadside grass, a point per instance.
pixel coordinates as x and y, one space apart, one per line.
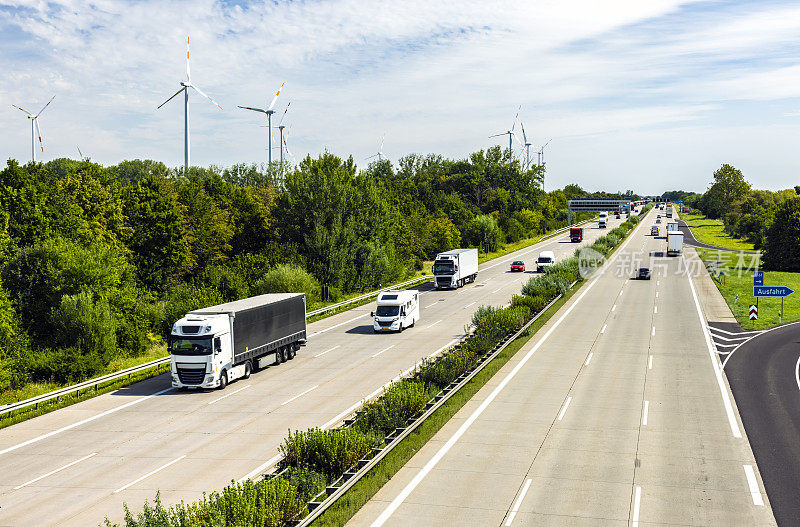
344 508
516 246
712 232
736 286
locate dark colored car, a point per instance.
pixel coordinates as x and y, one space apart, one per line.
518 266
643 274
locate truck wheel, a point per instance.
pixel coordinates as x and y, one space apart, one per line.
247 370
285 354
223 380
292 351
278 356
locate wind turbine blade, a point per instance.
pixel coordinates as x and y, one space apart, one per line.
23 109
79 152
525 137
39 133
165 102
254 109
45 106
188 74
276 97
383 137
515 118
498 135
287 150
518 141
284 113
198 90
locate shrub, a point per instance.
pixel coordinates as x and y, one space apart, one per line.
548 285
481 312
287 278
400 401
308 482
329 452
441 371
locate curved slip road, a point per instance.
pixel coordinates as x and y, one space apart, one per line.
689 239
615 413
76 465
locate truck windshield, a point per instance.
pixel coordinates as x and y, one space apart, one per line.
443 268
184 346
544 259
387 311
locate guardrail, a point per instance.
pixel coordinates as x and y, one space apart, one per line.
367 295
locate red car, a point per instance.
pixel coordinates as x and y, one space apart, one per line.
518 266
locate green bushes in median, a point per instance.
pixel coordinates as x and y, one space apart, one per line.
402 400
329 452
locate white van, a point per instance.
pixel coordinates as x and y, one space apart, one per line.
545 259
396 310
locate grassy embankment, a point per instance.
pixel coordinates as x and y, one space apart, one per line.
712 232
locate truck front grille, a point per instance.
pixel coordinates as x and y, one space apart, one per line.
384 323
191 376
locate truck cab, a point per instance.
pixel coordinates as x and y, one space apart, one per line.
396 311
576 234
602 222
545 259
201 350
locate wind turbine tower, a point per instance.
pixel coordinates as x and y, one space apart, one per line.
510 133
269 111
185 85
35 125
541 152
281 126
379 155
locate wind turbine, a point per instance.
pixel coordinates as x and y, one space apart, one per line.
287 146
541 152
281 126
35 124
269 111
379 155
185 85
526 145
510 133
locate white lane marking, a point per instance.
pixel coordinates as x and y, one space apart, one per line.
602 331
79 423
797 373
658 282
620 293
261 468
614 307
429 327
287 401
644 414
750 333
470 304
337 325
518 503
654 331
650 363
415 481
589 358
381 351
34 480
159 469
564 408
327 351
496 290
637 502
726 401
655 309
752 482
656 294
228 395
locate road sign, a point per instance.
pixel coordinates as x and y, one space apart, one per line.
753 312
758 278
770 290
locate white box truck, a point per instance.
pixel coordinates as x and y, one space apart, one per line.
602 222
455 268
212 346
674 243
672 226
396 311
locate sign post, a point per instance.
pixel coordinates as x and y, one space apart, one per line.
753 312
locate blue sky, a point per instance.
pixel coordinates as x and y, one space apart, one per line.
649 95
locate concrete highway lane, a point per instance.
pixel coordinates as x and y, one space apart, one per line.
764 374
613 414
79 464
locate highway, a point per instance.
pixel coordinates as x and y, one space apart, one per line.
615 413
76 465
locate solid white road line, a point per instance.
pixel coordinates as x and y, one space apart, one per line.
337 325
564 408
261 468
797 373
637 502
429 327
515 508
755 493
589 358
34 480
602 331
287 401
381 351
749 333
650 363
415 481
327 351
159 469
726 401
644 414
228 395
79 423
470 304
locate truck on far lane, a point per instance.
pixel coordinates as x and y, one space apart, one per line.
212 346
674 243
602 222
455 268
576 234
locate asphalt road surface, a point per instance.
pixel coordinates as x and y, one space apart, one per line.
76 465
615 413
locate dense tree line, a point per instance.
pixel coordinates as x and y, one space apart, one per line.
768 219
97 262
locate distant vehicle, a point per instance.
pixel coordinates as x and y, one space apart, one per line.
669 213
674 243
211 347
643 274
602 222
672 226
455 268
618 215
654 231
658 220
396 311
518 266
658 215
545 259
576 234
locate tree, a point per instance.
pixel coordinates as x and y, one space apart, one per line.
782 250
729 186
443 236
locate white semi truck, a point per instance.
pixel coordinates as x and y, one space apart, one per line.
602 222
455 268
396 311
211 347
674 243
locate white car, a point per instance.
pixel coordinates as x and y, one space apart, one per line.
545 259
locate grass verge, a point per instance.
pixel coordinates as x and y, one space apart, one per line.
712 232
344 508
